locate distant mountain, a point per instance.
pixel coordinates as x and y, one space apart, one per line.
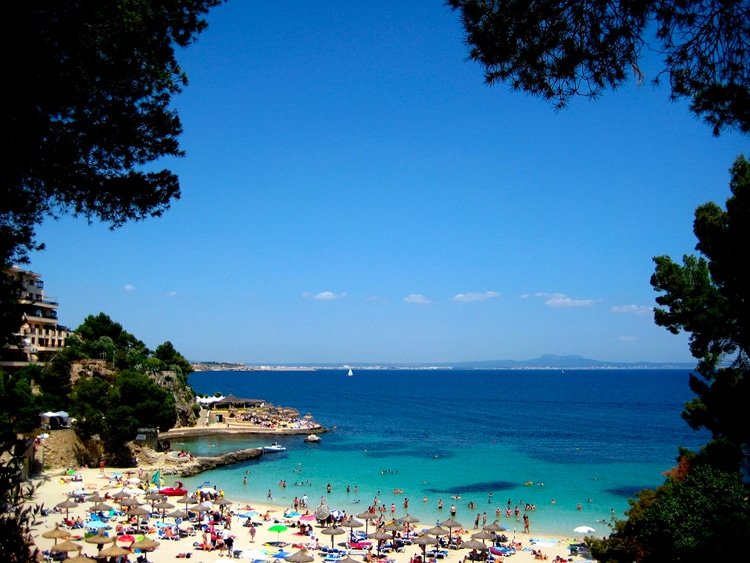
547 361
552 361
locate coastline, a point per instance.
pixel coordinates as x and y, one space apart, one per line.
237 429
54 487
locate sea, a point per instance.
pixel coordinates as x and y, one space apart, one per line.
567 447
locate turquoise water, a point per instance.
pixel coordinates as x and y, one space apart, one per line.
551 439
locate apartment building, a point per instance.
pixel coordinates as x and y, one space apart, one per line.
40 335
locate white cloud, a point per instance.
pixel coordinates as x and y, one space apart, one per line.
417 298
323 295
558 300
129 288
627 339
171 294
475 296
632 309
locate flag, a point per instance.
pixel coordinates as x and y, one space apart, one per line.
156 478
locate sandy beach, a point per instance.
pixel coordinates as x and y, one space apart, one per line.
55 487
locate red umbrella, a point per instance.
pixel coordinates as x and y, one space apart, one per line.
126 538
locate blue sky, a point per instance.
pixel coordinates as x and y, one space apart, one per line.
353 192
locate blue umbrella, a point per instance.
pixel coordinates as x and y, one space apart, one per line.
96 525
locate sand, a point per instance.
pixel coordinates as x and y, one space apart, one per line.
54 486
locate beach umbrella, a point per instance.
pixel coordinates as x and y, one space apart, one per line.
145 545
100 507
450 523
186 500
120 495
380 536
408 520
278 528
348 559
584 530
138 511
66 505
57 534
96 525
66 546
79 559
424 541
114 551
351 523
221 502
126 538
300 556
436 531
129 501
177 514
96 497
336 531
484 535
494 527
473 544
99 540
163 505
367 516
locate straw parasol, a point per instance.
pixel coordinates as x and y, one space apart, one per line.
177 514
67 505
79 559
484 535
436 531
408 520
138 511
351 523
380 536
367 516
336 531
100 507
114 551
473 544
120 495
57 534
145 545
66 546
494 527
450 523
424 541
99 540
96 497
300 556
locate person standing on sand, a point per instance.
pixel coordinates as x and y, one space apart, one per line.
526 523
252 533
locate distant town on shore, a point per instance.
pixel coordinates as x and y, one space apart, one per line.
547 361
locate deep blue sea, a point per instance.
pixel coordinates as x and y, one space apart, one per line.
549 438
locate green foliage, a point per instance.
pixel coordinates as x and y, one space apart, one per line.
707 512
709 297
174 360
89 110
19 408
559 50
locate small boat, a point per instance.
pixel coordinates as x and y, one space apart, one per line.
275 447
312 438
177 491
350 372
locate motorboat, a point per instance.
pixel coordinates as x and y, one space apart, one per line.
275 447
177 491
314 438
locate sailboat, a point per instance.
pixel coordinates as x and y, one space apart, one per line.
350 373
